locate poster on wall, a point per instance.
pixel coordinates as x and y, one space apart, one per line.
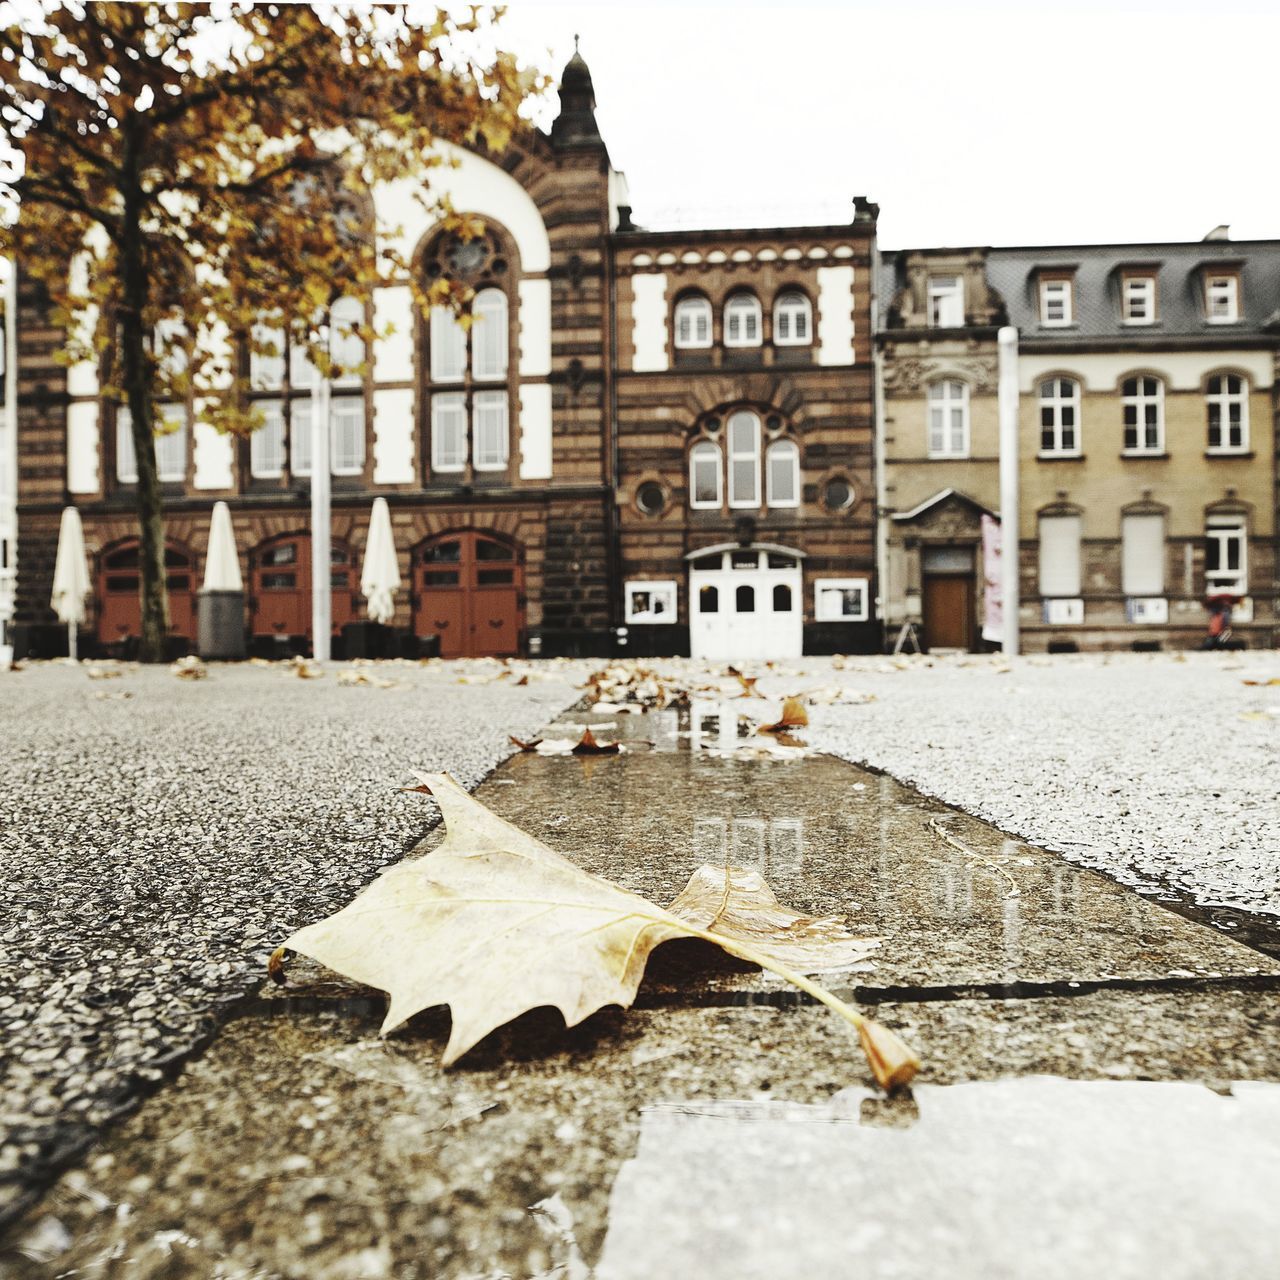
993 610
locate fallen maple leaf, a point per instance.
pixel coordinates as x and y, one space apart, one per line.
493 923
588 746
531 745
189 668
794 716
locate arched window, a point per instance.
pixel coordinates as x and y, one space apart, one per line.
1060 416
469 408
782 598
792 320
704 474
745 600
744 459
693 322
170 444
782 474
1227 400
949 419
742 321
1143 401
709 600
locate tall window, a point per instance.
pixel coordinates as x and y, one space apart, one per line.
1060 416
1142 555
1060 556
170 444
693 323
1227 400
949 419
469 418
1143 401
946 302
1138 299
742 321
1225 557
792 320
282 382
1055 302
1222 299
704 474
744 459
782 474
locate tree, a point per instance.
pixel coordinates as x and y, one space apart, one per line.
184 172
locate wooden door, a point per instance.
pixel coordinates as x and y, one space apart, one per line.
469 591
948 611
281 586
120 606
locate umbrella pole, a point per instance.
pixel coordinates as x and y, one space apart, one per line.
71 641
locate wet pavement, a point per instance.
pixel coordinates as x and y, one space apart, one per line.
1100 1088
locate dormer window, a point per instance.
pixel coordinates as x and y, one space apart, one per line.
1222 299
946 302
1056 304
1138 299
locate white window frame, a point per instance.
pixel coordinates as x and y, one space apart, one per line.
1139 400
346 346
825 597
448 338
946 302
949 410
266 372
267 444
126 456
710 450
664 590
171 446
1222 400
792 312
346 413
451 402
777 450
495 405
696 312
1138 290
1058 581
1223 530
1139 576
1055 291
752 455
1055 404
742 311
489 336
300 437
1222 291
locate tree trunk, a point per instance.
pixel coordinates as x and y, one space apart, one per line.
136 380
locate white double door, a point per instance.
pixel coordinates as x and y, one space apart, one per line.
746 604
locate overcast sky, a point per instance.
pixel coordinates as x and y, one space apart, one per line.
969 124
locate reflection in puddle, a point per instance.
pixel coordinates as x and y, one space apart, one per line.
1040 1176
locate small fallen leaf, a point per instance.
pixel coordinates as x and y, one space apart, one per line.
493 923
588 746
531 745
189 668
103 673
1263 683
306 668
794 716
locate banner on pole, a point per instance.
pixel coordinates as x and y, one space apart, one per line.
992 592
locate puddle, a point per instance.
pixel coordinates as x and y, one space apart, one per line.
956 902
1054 1178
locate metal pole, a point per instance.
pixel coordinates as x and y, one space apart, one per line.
1007 340
9 450
71 641
321 570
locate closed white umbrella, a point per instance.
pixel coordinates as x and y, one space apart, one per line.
222 562
380 577
70 576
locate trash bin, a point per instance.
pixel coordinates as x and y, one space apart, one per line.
220 624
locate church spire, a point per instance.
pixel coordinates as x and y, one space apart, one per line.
576 123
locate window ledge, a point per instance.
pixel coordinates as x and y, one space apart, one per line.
1245 454
1059 457
1142 453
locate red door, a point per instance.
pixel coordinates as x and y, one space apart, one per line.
469 591
281 586
119 605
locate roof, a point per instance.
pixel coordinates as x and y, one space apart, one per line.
940 497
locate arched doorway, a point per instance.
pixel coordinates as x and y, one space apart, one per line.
745 602
119 605
468 589
280 578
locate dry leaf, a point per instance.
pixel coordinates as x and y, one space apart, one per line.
103 673
1263 683
189 668
588 746
306 668
493 923
794 716
532 745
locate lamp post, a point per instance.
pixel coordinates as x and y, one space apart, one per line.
1007 343
321 567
